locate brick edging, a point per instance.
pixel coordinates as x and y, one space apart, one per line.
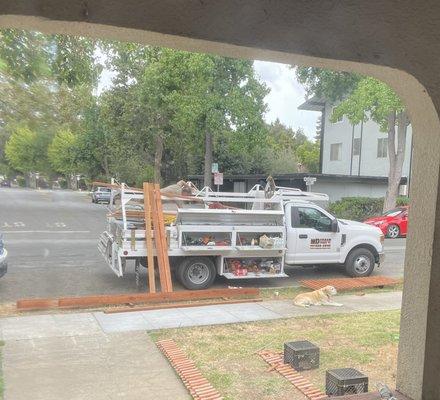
275 360
197 385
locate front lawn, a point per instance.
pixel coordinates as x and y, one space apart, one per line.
226 353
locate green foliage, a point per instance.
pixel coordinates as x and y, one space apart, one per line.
371 99
74 62
402 201
308 155
357 208
281 162
22 150
328 84
23 55
62 153
151 122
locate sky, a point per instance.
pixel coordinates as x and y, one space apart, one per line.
286 94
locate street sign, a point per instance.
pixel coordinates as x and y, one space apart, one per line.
214 168
218 178
309 180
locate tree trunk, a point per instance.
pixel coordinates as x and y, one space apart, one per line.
396 155
207 175
105 166
158 159
27 179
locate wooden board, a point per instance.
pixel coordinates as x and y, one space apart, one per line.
162 244
158 241
180 305
148 237
138 298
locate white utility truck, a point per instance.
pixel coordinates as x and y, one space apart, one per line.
250 235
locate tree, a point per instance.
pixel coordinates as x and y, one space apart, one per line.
62 154
46 81
180 110
308 155
362 98
284 138
222 96
23 151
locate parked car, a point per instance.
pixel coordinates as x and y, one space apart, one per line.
101 195
5 183
393 223
3 257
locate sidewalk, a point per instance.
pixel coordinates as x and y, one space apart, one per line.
109 356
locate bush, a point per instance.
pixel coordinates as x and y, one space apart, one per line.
356 208
402 201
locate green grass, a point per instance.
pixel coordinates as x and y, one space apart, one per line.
226 353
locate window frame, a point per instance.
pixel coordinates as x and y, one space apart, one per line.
357 147
339 158
382 145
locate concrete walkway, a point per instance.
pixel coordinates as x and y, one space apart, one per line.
101 356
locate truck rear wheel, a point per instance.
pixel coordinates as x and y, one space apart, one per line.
359 263
196 273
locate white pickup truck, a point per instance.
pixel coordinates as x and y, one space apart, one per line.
243 236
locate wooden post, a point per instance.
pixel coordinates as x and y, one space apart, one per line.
149 238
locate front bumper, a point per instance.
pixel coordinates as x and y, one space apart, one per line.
102 198
3 263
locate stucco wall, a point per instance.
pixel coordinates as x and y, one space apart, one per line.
397 41
337 191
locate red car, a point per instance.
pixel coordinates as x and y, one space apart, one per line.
393 223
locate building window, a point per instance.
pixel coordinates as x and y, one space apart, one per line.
356 146
335 152
382 148
339 119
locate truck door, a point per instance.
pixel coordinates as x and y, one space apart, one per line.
310 238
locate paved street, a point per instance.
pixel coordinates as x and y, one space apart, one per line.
51 238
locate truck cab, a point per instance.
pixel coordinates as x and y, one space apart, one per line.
314 236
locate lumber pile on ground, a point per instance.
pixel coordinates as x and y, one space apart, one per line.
132 299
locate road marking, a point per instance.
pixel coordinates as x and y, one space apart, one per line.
46 231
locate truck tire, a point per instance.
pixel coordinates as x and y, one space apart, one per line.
196 273
359 263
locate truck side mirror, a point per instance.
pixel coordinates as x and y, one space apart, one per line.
335 225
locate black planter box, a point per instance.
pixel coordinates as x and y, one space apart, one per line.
301 355
340 382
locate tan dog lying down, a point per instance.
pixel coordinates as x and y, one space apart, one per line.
320 297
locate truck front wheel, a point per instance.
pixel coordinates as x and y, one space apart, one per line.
359 263
196 273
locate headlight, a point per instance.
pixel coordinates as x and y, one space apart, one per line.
382 239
